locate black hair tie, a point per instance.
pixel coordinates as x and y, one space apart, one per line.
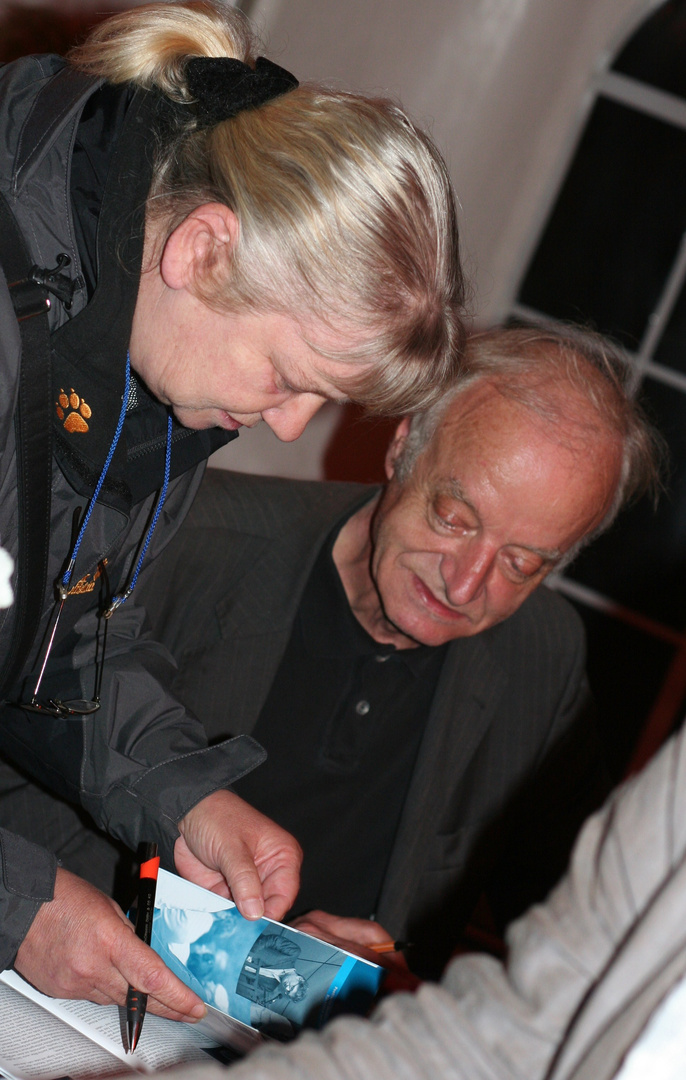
223 86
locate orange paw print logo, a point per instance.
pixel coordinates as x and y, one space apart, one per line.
73 411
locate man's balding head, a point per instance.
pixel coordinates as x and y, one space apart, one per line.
575 380
531 455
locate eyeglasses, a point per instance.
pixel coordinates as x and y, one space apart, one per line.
74 706
84 706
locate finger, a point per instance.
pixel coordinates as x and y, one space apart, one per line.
120 913
397 980
102 998
245 885
141 967
362 931
281 882
220 888
280 891
312 927
365 931
349 944
156 1007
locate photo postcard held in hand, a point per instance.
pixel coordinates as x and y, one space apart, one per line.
260 978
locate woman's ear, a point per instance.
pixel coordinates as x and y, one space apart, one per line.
209 232
397 444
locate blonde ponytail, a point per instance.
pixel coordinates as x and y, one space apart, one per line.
149 45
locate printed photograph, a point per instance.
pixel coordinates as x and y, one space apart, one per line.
261 973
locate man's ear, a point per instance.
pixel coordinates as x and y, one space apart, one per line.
208 233
396 446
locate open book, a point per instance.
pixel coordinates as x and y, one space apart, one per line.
43 1038
260 978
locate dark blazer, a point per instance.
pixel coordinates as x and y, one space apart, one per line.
508 767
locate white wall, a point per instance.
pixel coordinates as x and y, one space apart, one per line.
502 84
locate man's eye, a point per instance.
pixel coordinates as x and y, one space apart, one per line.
449 516
523 569
451 522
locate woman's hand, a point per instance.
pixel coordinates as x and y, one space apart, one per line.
81 945
229 847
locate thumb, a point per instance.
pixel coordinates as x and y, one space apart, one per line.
245 885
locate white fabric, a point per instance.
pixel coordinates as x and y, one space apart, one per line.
6 568
660 1053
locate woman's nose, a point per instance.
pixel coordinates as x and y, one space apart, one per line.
289 420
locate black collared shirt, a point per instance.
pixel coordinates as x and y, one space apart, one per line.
342 726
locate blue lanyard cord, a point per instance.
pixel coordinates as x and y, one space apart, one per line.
66 577
117 601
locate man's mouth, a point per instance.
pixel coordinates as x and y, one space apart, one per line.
436 606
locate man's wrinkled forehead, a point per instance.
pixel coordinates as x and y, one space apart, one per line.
473 420
461 430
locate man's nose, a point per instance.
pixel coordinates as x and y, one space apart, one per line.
289 420
464 573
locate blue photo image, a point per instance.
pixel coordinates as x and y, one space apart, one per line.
266 975
302 979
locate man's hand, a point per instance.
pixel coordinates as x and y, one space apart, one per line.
229 847
81 945
357 936
354 935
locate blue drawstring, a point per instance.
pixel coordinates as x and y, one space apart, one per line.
66 577
117 601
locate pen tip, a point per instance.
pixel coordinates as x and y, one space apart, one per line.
134 1034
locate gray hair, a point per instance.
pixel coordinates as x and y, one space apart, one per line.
346 208
528 365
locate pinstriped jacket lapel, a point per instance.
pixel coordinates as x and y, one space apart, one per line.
471 685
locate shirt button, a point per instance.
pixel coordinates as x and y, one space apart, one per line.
362 708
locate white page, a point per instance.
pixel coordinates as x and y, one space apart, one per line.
58 1037
35 1045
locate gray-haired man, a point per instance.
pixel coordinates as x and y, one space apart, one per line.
422 702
